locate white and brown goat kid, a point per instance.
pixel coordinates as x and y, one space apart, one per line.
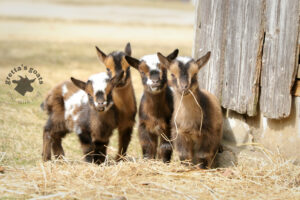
85 108
197 129
156 107
123 95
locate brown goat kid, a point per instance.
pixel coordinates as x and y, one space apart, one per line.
123 95
85 108
156 107
197 129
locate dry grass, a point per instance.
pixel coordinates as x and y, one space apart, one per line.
60 49
252 178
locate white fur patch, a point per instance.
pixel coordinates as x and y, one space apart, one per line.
64 90
75 101
152 61
99 82
104 103
184 59
149 81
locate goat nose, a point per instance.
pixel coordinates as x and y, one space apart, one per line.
101 103
184 86
155 80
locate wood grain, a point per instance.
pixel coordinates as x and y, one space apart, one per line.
244 39
233 31
209 29
280 55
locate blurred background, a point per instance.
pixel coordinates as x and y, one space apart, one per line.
58 38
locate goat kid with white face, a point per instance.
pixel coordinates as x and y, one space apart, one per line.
153 73
156 106
85 108
197 117
123 95
98 88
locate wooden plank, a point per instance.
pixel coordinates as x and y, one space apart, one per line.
244 39
233 31
279 62
209 27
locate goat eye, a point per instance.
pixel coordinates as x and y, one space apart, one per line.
108 69
143 73
173 76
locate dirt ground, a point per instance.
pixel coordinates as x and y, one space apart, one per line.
58 39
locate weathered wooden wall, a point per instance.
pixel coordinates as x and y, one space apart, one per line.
234 31
243 37
209 30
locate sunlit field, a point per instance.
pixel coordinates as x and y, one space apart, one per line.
59 49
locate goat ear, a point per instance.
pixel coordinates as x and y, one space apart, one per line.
165 62
128 49
102 56
32 80
173 55
203 60
133 62
80 84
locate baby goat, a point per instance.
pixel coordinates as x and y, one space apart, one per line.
123 95
156 107
85 108
197 129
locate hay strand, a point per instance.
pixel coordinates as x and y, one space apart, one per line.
175 117
251 178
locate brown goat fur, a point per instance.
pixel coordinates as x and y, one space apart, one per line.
85 108
123 95
156 107
198 129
